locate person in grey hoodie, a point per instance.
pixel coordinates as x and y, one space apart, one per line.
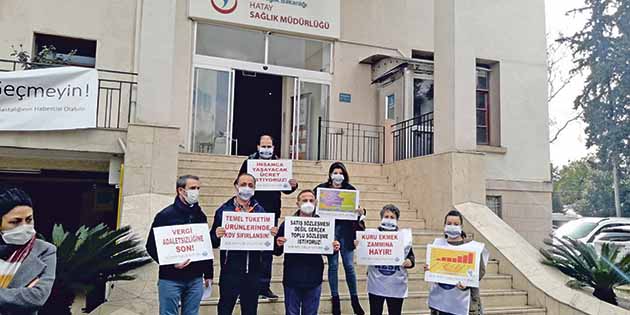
27 264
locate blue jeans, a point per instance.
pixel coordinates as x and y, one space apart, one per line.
306 300
171 292
333 270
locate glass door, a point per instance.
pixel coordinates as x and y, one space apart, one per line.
310 104
212 109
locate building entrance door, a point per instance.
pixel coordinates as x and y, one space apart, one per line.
257 110
232 108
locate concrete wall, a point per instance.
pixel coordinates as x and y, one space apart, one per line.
111 23
436 182
525 207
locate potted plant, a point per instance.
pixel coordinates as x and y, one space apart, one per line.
88 257
580 261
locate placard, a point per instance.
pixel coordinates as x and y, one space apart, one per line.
340 204
247 231
450 266
309 235
177 243
58 98
271 175
378 248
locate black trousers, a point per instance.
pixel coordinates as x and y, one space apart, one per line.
394 305
231 287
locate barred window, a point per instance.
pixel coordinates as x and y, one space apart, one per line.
495 204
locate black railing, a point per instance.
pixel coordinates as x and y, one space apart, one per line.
116 93
348 141
413 137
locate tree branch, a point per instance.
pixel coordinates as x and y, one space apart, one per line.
566 124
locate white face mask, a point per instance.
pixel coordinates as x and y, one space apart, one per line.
337 178
453 231
192 196
389 224
19 235
245 192
265 153
307 208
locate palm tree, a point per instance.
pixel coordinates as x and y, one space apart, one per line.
581 261
91 256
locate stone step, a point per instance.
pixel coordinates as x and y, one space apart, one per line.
237 160
227 191
278 261
403 205
415 301
300 176
510 310
210 184
298 167
416 282
420 251
371 222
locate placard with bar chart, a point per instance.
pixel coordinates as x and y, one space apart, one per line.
451 266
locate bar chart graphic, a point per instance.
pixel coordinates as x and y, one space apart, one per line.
467 259
452 262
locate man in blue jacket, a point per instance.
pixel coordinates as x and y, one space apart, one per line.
183 282
240 270
271 201
303 273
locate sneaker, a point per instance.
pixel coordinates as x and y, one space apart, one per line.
267 294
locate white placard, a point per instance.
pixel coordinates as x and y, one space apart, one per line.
271 175
57 98
377 248
309 235
177 243
247 231
311 17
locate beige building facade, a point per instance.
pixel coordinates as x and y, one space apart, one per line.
205 81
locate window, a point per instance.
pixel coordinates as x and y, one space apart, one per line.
422 97
299 53
85 54
483 106
262 47
390 107
495 204
228 42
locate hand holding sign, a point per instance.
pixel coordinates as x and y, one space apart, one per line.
182 265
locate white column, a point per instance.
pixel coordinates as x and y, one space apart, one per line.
156 62
455 77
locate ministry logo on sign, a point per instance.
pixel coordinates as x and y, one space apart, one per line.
224 6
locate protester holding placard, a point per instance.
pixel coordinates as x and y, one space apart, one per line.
183 282
447 299
240 269
345 233
303 273
389 283
271 201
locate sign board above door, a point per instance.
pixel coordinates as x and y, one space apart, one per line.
310 17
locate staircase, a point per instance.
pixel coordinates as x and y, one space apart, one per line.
217 174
